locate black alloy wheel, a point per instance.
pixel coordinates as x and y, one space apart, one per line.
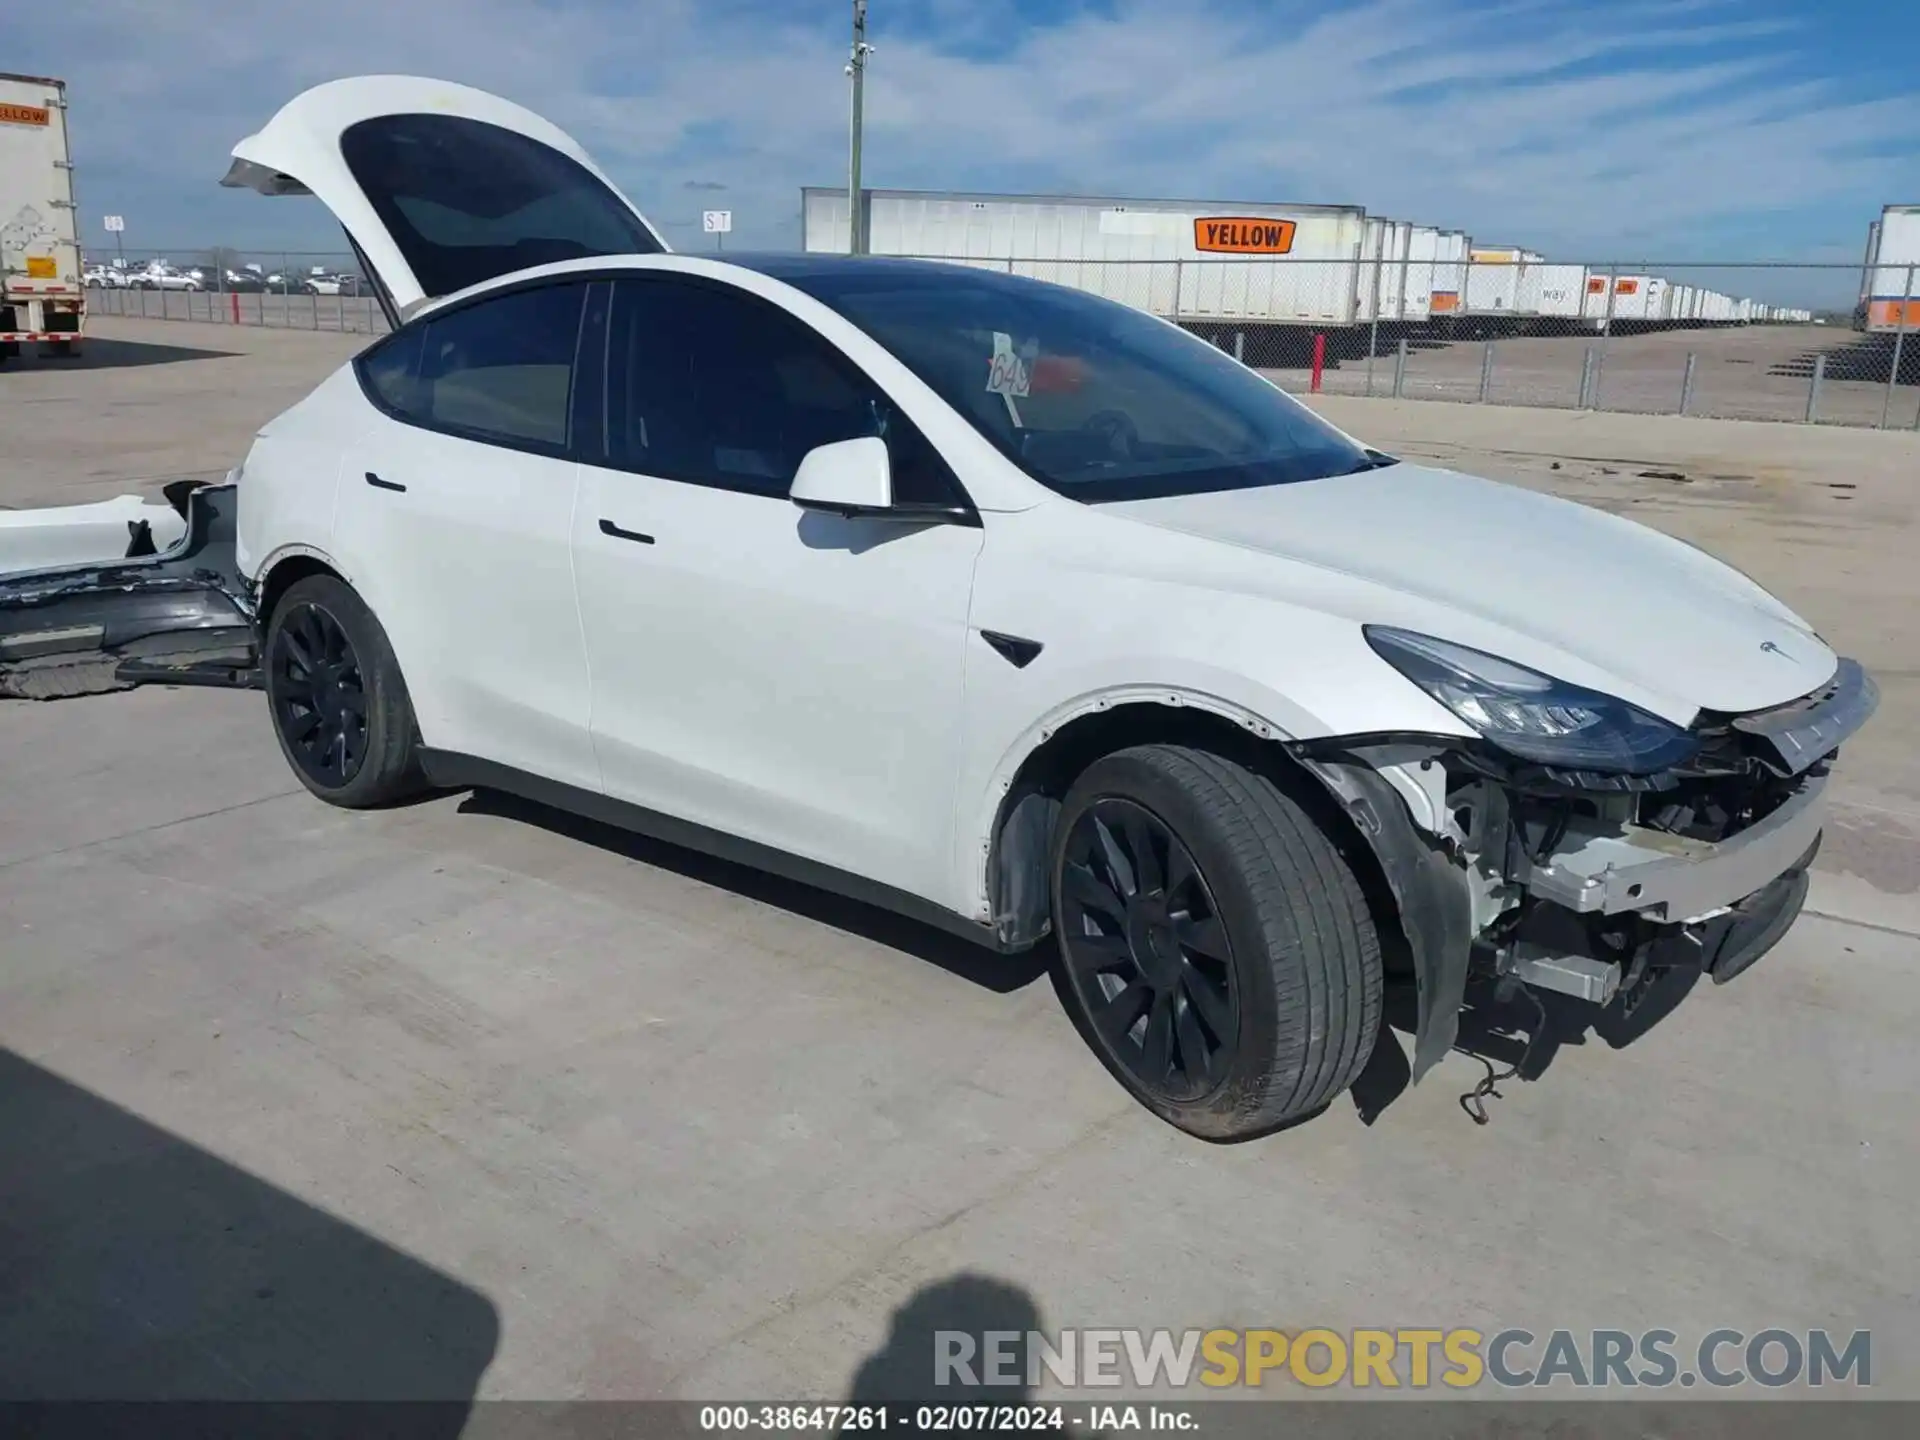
1146 952
319 695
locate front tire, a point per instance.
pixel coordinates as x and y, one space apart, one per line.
1214 946
340 707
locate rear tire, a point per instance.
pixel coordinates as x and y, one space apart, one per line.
1231 980
340 707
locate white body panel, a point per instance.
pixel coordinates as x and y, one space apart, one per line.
819 684
82 534
735 664
40 270
1139 252
1890 285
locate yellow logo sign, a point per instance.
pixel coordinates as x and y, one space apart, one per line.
23 115
1243 236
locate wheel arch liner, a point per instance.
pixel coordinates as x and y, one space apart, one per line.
1436 909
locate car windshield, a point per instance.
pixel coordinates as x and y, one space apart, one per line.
1093 399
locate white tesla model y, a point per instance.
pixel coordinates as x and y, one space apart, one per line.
1008 607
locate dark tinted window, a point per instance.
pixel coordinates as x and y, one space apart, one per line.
716 387
500 369
466 201
1091 398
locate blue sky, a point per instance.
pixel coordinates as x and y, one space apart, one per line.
1643 129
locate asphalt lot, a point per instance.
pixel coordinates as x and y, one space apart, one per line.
467 1097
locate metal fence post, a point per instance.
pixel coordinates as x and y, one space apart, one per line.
1486 371
1586 378
1813 387
1686 383
1606 332
1240 346
1400 371
1899 344
1179 282
1373 328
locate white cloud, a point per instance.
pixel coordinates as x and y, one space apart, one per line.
1657 128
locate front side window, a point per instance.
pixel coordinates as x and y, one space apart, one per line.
1091 398
715 387
466 201
500 369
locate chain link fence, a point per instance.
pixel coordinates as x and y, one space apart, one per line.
303 290
1732 341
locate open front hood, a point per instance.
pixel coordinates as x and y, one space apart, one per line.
440 186
1668 620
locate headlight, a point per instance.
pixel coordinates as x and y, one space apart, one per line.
1534 716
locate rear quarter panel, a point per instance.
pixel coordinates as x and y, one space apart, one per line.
290 482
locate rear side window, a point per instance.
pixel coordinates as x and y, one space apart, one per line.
500 370
467 201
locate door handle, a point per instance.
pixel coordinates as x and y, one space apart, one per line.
607 527
379 484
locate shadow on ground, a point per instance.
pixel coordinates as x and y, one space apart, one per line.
99 354
949 1317
1001 974
1860 357
137 1267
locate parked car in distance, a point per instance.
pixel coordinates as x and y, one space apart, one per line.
1012 608
159 275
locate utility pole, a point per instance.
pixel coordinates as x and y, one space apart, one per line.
857 69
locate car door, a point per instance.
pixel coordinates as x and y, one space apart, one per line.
454 506
454 520
779 674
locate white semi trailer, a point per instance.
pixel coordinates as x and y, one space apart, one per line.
42 298
1325 266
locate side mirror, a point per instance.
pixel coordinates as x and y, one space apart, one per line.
848 477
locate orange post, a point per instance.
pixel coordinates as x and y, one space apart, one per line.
1319 360
234 296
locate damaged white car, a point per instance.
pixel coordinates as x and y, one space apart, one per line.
979 598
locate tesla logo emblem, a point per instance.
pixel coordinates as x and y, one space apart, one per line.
1768 647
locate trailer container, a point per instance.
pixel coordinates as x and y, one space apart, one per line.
1563 293
1382 273
1890 277
1503 281
1450 273
1229 262
42 297
1423 249
1638 299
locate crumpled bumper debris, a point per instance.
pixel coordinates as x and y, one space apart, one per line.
181 615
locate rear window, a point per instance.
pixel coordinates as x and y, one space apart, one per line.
466 201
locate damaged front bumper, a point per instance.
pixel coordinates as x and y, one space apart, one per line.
178 615
1593 886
